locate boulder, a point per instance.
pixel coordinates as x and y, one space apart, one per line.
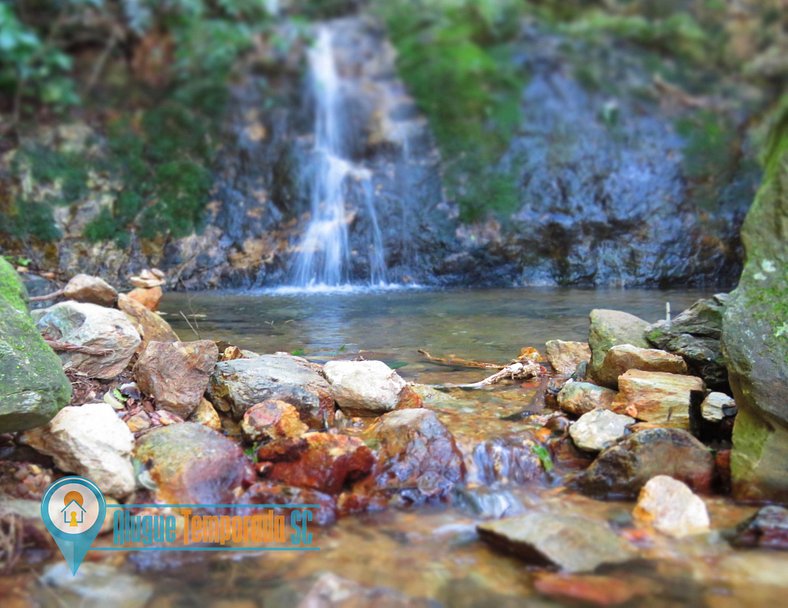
767 529
417 456
599 429
151 327
272 420
109 336
93 290
566 356
695 336
623 357
609 328
671 508
34 387
364 388
656 397
89 440
320 461
574 544
176 374
193 464
622 470
239 384
579 398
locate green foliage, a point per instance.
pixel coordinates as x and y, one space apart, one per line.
456 59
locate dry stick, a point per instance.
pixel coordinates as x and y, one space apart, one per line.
185 318
452 361
48 296
516 371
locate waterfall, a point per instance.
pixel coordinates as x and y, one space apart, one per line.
339 186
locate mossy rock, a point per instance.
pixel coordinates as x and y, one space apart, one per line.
755 335
34 387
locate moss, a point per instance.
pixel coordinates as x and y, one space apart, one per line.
12 290
749 436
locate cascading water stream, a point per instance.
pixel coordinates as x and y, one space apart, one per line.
323 258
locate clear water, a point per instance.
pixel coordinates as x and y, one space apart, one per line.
432 553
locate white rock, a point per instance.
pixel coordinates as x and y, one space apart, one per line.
107 332
599 429
364 388
90 441
717 406
671 507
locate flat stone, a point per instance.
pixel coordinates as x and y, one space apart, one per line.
566 356
239 384
320 461
656 397
671 508
91 326
176 374
574 544
620 471
94 290
417 456
599 429
89 440
579 398
624 357
272 420
364 388
609 328
717 406
192 464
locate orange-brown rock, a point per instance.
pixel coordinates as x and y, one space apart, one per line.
148 297
150 325
656 397
272 420
624 357
566 356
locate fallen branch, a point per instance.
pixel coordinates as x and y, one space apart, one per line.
63 347
48 296
453 361
514 372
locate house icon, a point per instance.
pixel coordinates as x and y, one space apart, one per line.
73 513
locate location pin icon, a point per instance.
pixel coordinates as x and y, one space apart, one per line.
73 510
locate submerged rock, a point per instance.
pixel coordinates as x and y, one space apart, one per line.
656 397
579 398
89 440
487 503
767 529
671 508
695 336
176 374
599 429
93 290
106 332
364 388
508 459
192 464
332 591
417 456
34 387
624 357
94 586
272 420
610 328
622 470
268 493
239 384
574 544
566 356
321 461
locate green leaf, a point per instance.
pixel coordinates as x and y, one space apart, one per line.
544 457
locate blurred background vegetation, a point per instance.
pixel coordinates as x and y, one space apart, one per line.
152 77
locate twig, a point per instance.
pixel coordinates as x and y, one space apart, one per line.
48 296
516 371
58 346
185 318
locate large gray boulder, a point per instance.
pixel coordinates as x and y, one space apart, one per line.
34 387
610 328
755 337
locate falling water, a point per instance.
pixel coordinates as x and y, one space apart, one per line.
324 254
